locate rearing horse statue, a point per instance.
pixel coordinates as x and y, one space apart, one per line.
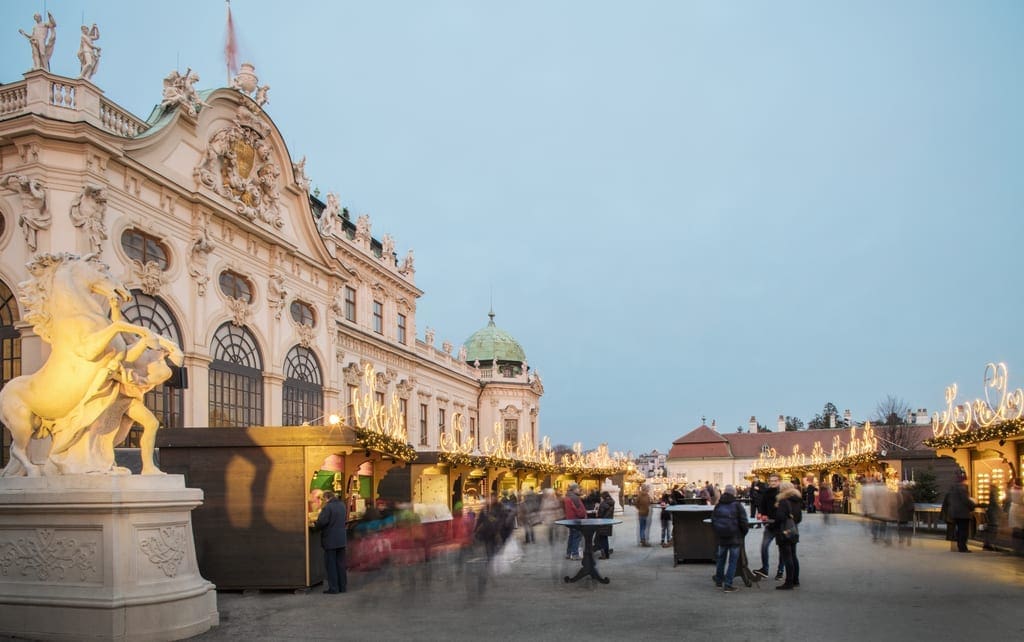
89 392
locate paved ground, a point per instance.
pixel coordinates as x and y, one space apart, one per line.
852 589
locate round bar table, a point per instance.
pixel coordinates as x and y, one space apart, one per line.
587 528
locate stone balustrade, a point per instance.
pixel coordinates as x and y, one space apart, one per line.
67 99
13 98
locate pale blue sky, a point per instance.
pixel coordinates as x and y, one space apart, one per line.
682 208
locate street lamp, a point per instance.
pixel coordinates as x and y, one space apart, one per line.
332 420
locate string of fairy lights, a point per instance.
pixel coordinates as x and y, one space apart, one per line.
380 427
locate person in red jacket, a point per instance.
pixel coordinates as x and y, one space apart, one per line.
574 509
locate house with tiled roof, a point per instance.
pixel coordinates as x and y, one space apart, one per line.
704 454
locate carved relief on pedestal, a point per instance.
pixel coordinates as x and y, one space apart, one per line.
164 547
429 337
408 267
88 211
49 555
329 223
201 248
237 165
34 214
247 83
387 249
446 346
362 237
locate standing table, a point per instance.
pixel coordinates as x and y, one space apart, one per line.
691 539
587 528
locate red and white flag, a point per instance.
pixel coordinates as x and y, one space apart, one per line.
231 44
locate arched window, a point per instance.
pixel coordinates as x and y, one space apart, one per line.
10 352
303 388
167 403
144 248
236 379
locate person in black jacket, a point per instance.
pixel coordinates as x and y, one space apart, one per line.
787 506
729 521
766 513
334 538
605 510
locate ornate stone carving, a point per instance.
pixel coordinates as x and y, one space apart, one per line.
237 165
404 388
240 311
179 91
429 337
387 249
353 374
45 555
165 548
299 169
510 412
150 276
380 383
276 293
201 248
328 223
339 352
536 385
463 353
34 214
363 231
447 347
247 83
101 365
88 212
408 267
307 335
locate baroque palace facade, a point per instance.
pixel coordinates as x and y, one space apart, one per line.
278 300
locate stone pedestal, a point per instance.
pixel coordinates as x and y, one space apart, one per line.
107 557
613 490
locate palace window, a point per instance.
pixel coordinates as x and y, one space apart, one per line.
423 424
472 429
236 379
302 313
512 431
350 409
441 428
350 304
378 317
303 391
166 402
401 329
144 248
10 352
235 286
403 412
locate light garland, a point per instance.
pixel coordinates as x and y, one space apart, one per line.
1006 430
859 450
979 414
380 427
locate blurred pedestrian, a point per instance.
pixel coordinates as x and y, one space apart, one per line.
550 510
992 519
959 507
574 509
810 491
666 520
905 513
605 510
825 501
1015 515
529 516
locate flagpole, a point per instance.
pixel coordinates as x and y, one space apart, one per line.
227 57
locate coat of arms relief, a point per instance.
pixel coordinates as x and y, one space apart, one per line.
237 165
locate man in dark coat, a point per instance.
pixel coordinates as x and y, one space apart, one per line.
959 508
766 513
729 521
334 538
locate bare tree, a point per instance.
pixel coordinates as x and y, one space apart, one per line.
891 425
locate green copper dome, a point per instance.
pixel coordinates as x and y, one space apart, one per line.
491 343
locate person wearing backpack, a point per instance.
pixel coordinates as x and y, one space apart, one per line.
788 506
729 521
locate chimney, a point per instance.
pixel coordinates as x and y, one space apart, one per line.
831 420
781 424
713 426
847 417
753 424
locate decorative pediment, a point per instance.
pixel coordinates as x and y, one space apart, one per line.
238 165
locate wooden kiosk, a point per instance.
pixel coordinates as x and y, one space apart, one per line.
252 528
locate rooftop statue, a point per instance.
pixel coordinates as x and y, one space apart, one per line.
179 90
88 52
89 392
41 40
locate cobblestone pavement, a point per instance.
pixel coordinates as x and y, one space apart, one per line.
851 589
